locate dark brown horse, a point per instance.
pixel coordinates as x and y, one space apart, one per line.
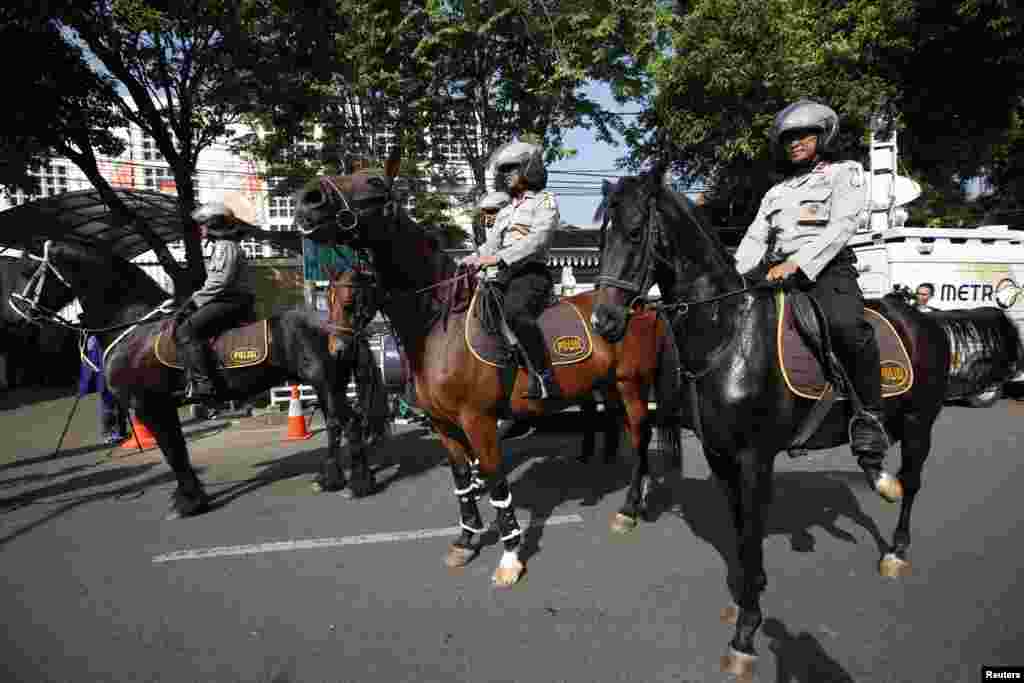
729 350
350 308
426 297
127 311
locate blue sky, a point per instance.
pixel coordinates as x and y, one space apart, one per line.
591 156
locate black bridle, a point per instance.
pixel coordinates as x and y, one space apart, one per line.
346 219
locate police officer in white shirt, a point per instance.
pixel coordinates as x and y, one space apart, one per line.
801 230
518 247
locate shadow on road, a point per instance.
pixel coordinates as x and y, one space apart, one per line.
552 478
413 455
802 501
800 658
12 399
55 493
64 453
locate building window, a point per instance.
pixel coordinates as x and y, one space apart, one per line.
151 177
453 142
281 208
53 180
149 149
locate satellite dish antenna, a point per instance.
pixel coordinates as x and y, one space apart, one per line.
905 191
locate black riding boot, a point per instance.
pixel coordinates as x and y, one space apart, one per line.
199 369
868 438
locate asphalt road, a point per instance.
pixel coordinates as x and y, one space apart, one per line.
90 589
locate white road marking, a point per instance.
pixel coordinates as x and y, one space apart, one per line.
312 543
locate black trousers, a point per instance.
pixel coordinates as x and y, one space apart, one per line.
211 319
840 297
527 291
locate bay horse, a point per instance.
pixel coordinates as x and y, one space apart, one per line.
351 305
427 297
127 310
737 400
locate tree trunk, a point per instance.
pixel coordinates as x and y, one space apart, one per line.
123 215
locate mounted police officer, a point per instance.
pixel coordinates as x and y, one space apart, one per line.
517 246
225 300
801 230
488 206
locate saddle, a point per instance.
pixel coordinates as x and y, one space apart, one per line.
805 356
812 371
238 347
565 332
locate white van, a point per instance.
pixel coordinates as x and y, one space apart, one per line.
969 268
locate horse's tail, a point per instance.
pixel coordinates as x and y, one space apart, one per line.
667 388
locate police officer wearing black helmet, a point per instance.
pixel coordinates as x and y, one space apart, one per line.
225 300
801 231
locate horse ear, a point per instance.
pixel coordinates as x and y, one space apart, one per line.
393 164
658 171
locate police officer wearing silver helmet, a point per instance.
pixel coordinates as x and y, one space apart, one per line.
518 246
225 300
801 231
488 206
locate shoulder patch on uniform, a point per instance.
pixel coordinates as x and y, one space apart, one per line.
548 200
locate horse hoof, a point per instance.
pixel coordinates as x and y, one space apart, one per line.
458 556
730 615
889 487
361 489
622 524
893 567
739 664
508 573
185 506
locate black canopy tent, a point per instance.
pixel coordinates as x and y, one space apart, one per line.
84 217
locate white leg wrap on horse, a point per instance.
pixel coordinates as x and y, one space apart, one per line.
510 560
512 534
471 529
502 504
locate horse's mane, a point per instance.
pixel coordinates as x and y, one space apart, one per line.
685 210
128 277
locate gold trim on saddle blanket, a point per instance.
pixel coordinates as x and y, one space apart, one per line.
893 373
241 357
571 344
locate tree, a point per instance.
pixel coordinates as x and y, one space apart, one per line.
458 78
168 68
735 63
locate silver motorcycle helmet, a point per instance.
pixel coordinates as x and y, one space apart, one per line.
805 114
519 158
220 221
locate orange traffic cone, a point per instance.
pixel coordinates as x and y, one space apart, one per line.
296 420
141 436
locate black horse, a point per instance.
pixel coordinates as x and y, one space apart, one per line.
115 294
742 408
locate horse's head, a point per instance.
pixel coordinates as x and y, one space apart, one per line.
103 283
653 235
628 238
46 287
351 300
342 209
